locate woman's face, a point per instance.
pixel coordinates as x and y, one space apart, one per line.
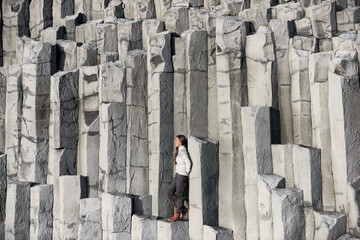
177 142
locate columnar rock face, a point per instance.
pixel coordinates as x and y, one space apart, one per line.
343 73
90 219
17 222
3 187
231 95
93 92
137 159
257 157
160 120
203 184
41 207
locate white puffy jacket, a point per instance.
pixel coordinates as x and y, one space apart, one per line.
183 163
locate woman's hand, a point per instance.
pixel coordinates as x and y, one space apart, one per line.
188 173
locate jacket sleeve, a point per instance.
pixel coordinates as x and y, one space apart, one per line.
186 159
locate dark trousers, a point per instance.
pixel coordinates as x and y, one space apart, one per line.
179 191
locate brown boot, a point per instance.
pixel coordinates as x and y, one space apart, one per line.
175 218
184 212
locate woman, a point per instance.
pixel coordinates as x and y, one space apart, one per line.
179 187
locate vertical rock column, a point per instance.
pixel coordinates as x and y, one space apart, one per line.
300 49
15 16
3 80
258 134
72 189
17 222
307 177
37 69
61 9
261 68
88 147
232 94
283 30
190 84
3 188
90 219
113 128
344 100
137 159
160 121
282 160
40 16
204 182
129 37
41 207
13 113
319 89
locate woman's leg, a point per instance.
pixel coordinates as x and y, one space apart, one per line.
172 190
181 190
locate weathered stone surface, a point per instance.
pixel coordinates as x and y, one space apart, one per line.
72 189
108 57
172 230
329 225
90 28
348 237
112 164
261 69
234 7
160 121
115 8
137 159
303 27
3 94
176 19
347 18
112 82
319 66
160 7
116 213
216 233
142 205
52 34
150 27
231 95
61 9
106 37
282 157
288 213
64 110
300 49
17 222
13 114
322 139
203 201
323 19
88 149
3 186
40 16
41 207
266 183
343 96
129 37
283 30
37 69
83 6
144 9
259 130
143 228
353 190
258 16
16 24
70 23
67 55
289 11
89 88
90 219
86 55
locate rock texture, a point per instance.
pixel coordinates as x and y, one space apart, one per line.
93 94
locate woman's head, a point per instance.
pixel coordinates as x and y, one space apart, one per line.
180 140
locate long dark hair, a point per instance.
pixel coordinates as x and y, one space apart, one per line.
183 141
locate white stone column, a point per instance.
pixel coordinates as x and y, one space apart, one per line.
282 160
3 187
41 207
90 219
40 16
160 121
143 228
204 180
231 95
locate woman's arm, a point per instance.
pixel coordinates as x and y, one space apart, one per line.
186 160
